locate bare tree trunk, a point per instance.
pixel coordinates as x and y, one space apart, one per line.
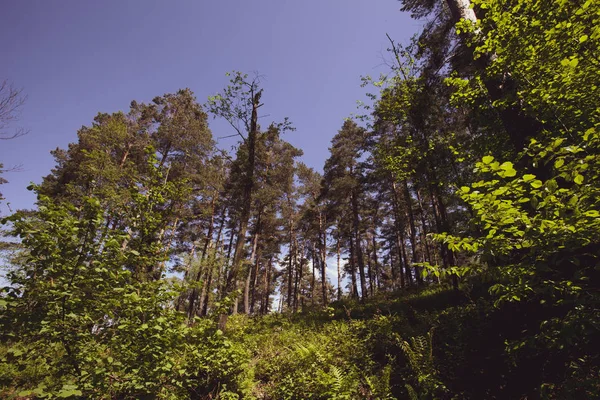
255 281
267 296
185 275
223 276
249 277
299 271
423 227
290 271
218 249
353 269
315 260
358 245
461 9
376 261
323 235
246 202
399 232
413 234
339 272
369 266
444 226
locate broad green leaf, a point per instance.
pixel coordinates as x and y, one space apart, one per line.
536 184
487 159
528 177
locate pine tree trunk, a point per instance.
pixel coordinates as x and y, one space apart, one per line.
298 277
185 275
255 281
358 245
402 262
315 260
353 269
249 277
423 227
246 203
369 265
225 270
323 235
209 282
339 267
290 270
267 296
375 260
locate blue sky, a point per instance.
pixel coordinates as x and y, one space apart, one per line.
75 58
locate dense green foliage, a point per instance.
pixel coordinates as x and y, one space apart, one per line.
463 218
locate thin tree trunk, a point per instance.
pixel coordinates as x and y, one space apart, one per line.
376 262
185 275
405 276
323 234
339 267
359 253
267 286
353 269
413 234
297 281
124 158
255 281
246 202
370 267
223 276
290 272
249 277
424 227
315 260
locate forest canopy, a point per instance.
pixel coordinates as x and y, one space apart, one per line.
449 248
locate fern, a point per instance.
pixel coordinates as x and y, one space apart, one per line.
419 353
338 379
412 394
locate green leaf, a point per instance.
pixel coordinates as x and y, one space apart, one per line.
559 163
465 189
536 184
487 159
583 38
15 352
578 179
528 177
573 201
69 391
574 62
509 173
